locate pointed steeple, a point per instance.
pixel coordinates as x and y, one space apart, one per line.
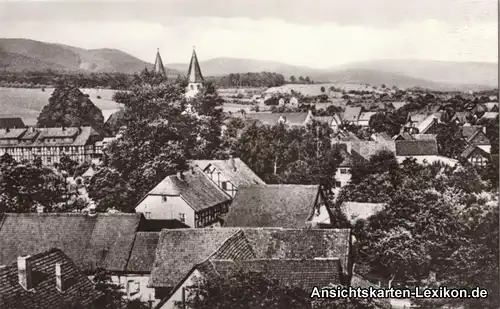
159 68
194 72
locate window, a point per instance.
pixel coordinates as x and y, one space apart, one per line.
147 215
163 198
338 184
49 160
192 87
224 185
133 287
344 171
182 217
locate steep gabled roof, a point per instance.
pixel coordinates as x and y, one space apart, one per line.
295 273
77 287
235 170
469 150
159 68
104 240
194 187
11 123
351 114
194 71
416 148
288 206
469 131
143 252
179 251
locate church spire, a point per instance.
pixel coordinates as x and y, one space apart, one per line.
194 72
159 68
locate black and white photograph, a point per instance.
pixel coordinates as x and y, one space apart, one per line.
249 154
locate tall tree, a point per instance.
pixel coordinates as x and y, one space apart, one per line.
69 107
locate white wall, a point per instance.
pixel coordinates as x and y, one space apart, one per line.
218 178
322 216
177 296
137 288
153 207
192 92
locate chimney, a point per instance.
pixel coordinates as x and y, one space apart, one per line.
59 281
24 272
231 161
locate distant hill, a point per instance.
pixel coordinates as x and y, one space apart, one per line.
24 54
401 73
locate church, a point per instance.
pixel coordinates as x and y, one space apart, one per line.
195 78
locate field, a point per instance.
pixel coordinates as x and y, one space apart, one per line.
27 103
315 89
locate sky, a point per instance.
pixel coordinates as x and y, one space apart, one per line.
315 33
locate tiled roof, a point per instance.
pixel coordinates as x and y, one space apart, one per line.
58 132
474 148
11 133
77 287
195 188
469 131
11 123
143 252
104 240
289 206
194 71
398 105
367 149
40 134
417 117
180 250
365 116
345 136
416 137
416 148
424 125
355 210
235 247
154 225
295 273
491 105
351 114
236 171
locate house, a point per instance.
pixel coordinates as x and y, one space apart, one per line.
47 279
492 107
139 266
475 135
460 117
351 114
195 78
364 118
12 123
343 172
294 102
415 118
364 150
423 151
92 241
49 144
333 121
360 211
190 197
428 125
490 115
342 136
302 274
288 206
476 155
414 137
229 174
479 108
396 105
383 136
180 251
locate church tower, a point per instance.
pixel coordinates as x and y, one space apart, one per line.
159 68
195 78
